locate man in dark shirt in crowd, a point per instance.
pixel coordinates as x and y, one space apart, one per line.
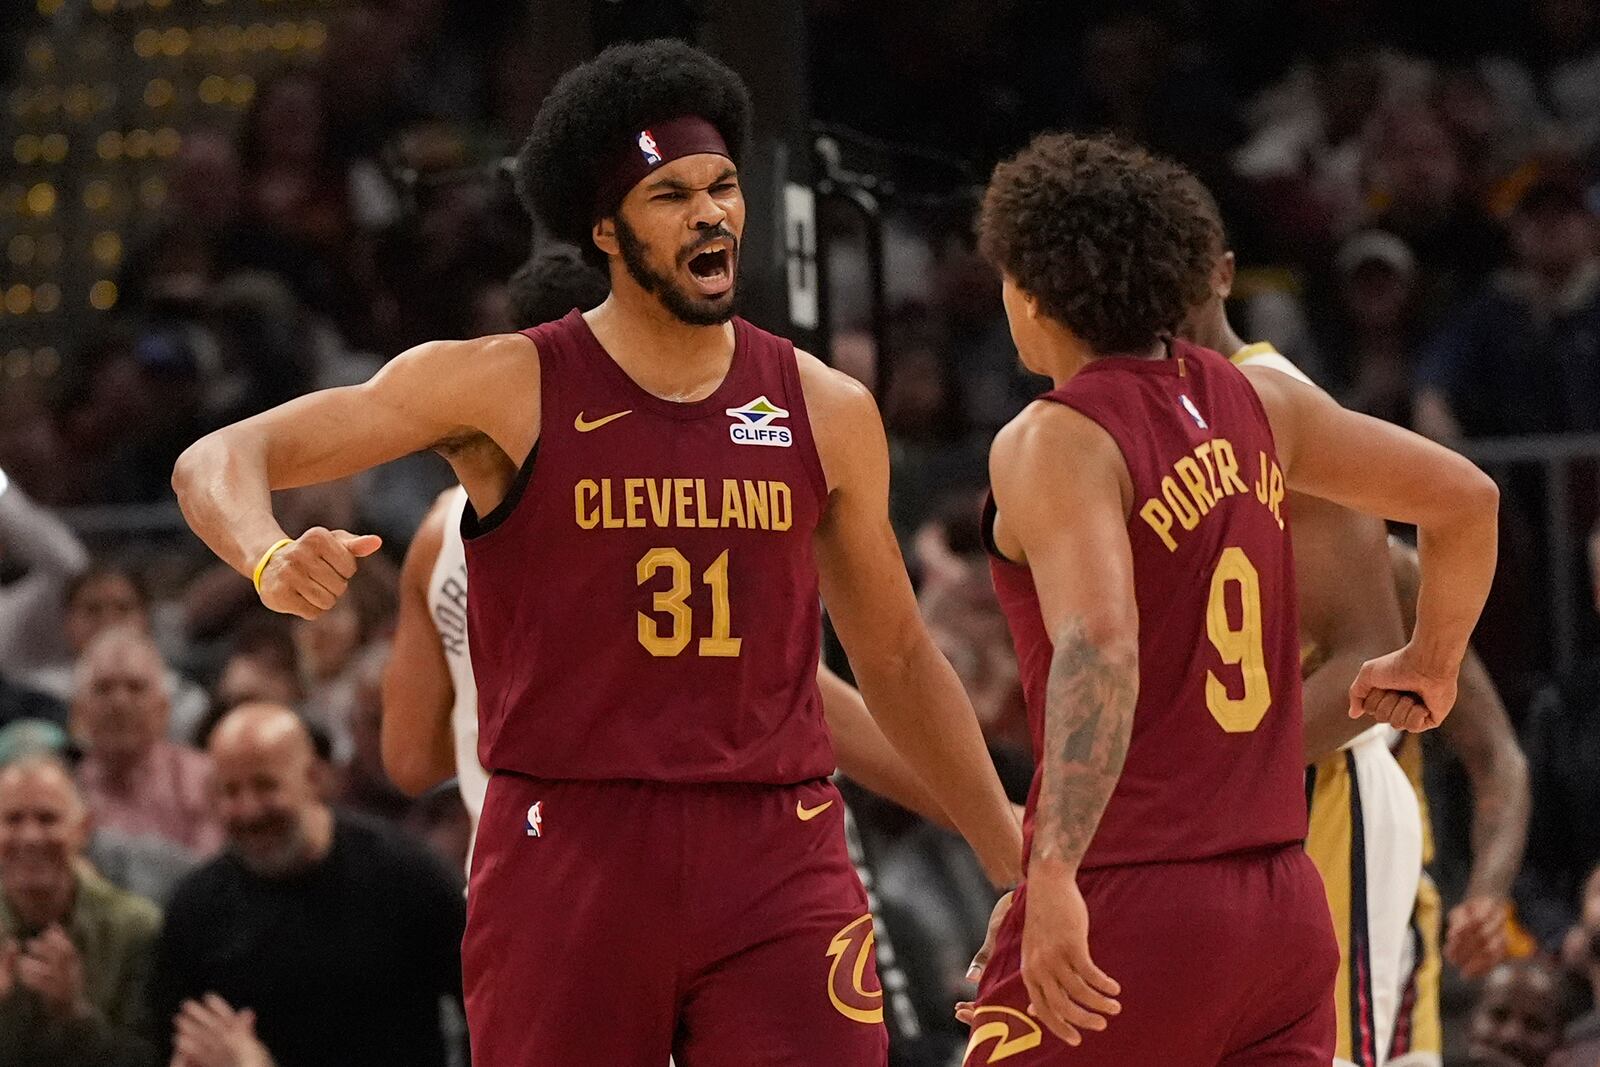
1523 356
317 937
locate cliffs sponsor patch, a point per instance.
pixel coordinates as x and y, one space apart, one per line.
755 423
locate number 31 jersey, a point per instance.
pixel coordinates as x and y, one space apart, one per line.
644 604
1215 764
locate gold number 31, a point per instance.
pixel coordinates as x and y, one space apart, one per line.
1239 645
673 602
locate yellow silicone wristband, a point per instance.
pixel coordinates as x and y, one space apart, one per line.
266 558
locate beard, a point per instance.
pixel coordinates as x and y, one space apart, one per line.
272 847
691 309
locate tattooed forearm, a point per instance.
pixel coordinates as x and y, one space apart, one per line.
1088 721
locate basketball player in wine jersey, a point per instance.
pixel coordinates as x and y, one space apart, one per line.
658 491
1140 537
430 698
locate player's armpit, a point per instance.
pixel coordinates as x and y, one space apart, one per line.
418 748
911 690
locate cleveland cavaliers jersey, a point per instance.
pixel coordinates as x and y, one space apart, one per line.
644 604
1215 761
447 607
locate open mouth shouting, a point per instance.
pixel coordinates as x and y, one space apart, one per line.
711 267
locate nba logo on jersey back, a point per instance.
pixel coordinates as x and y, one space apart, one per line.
647 145
1194 412
535 824
753 424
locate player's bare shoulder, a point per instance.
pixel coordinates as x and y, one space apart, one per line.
1047 457
486 388
844 419
1043 432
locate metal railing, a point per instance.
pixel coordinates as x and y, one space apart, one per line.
1556 459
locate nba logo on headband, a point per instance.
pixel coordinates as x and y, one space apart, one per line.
647 145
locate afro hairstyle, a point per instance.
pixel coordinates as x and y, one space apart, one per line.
596 107
553 281
1114 243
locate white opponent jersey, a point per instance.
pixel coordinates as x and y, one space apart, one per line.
447 607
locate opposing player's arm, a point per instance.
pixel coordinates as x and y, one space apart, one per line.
866 756
911 690
1348 613
1480 733
443 394
418 695
1376 467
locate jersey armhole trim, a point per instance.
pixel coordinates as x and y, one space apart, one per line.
991 513
473 527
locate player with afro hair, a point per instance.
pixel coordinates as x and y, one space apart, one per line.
593 108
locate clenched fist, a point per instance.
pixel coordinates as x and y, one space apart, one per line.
1404 692
307 576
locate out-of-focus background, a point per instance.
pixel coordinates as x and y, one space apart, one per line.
208 207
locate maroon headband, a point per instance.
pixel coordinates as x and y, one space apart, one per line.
651 148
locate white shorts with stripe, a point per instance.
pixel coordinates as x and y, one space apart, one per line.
1366 839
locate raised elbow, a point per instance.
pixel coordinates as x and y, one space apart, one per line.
1483 496
1462 497
188 470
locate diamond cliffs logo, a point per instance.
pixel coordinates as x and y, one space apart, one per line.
754 424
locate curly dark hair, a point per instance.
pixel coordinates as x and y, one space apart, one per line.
594 108
553 281
1112 241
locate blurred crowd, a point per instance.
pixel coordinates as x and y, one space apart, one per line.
1415 211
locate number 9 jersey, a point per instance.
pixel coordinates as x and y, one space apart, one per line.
644 603
1215 764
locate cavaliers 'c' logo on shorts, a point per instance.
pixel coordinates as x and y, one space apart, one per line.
1011 1031
851 950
